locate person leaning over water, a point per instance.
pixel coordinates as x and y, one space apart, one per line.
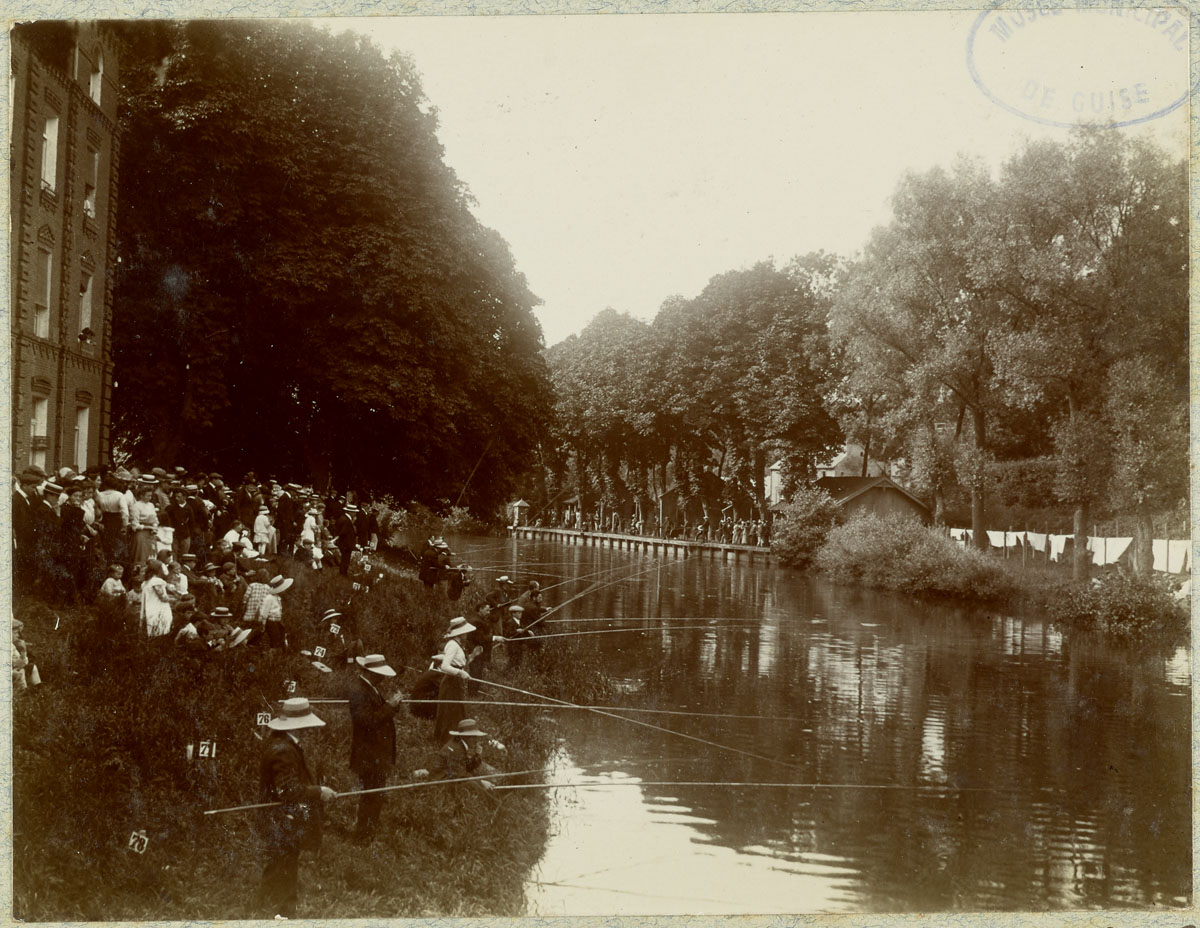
295 824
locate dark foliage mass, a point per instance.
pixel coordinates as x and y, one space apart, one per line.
301 282
99 752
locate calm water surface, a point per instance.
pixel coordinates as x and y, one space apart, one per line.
1009 767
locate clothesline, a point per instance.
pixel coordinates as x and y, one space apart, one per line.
1170 555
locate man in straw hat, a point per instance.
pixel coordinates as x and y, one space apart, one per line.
373 739
462 755
295 823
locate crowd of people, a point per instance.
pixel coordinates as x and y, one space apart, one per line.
728 530
151 547
171 553
292 821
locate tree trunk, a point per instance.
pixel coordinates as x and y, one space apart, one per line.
939 508
866 455
1082 559
1143 543
978 514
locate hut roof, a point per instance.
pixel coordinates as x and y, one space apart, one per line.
844 489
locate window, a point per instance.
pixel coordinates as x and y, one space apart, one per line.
50 153
96 84
37 430
85 302
82 414
90 183
43 273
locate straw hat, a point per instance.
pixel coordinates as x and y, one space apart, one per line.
330 614
376 663
503 579
220 614
459 626
468 728
295 713
280 584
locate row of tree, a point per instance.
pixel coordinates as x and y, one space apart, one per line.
1027 329
302 286
697 404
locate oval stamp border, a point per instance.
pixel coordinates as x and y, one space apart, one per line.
1082 7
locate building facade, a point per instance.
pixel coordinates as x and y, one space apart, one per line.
63 89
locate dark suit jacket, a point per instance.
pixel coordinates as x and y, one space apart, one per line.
373 741
343 531
285 516
284 777
24 526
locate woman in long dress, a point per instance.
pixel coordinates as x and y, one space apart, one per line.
452 663
145 526
156 603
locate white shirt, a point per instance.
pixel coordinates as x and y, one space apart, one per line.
454 659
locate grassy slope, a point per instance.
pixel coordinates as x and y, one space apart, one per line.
99 752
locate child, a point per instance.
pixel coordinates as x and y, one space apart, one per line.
112 588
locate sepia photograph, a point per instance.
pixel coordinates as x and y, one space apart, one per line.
822 375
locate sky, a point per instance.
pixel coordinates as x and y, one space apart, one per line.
629 158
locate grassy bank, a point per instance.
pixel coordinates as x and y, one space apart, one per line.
897 553
99 752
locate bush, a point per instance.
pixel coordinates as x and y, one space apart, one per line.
899 553
1125 607
804 526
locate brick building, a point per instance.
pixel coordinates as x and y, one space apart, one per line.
64 146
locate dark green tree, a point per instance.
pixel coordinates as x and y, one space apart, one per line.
302 284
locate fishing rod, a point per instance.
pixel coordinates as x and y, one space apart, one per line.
595 573
614 631
543 705
473 469
592 589
927 786
381 789
488 776
656 618
651 726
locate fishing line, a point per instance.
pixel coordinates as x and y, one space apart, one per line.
543 705
614 631
594 587
382 789
663 618
652 727
930 787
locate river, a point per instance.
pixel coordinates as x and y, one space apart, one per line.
968 759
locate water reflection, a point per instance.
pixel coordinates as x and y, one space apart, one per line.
969 760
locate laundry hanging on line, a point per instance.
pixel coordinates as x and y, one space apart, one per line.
1107 550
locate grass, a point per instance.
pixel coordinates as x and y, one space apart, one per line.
99 752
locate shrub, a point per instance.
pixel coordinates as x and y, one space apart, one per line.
807 520
1125 607
899 553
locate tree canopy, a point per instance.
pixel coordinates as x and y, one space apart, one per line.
302 286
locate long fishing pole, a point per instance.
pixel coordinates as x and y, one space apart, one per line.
932 787
656 618
473 469
595 573
593 589
488 776
652 727
381 789
614 631
543 705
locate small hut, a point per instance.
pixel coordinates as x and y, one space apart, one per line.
878 495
